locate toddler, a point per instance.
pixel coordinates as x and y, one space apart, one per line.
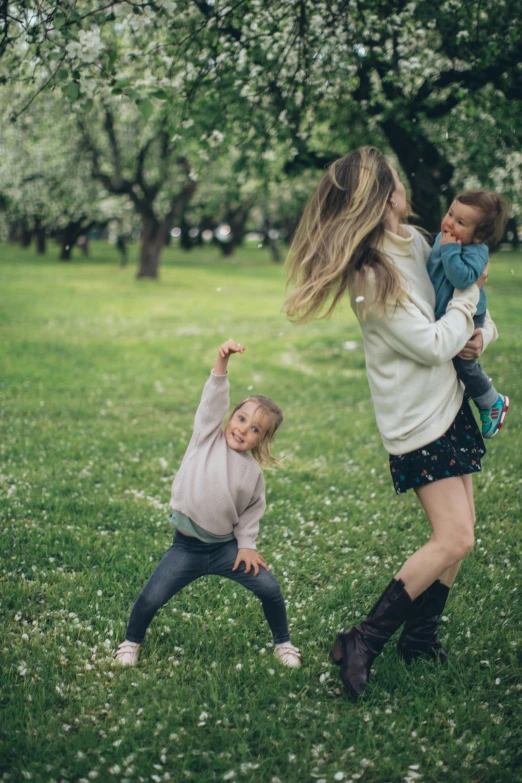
458 258
218 498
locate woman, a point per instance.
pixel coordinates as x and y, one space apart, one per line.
352 237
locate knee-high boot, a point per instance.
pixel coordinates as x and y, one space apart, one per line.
419 636
356 649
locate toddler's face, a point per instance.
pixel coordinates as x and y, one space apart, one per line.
246 427
461 222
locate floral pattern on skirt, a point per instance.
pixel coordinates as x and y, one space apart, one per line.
455 453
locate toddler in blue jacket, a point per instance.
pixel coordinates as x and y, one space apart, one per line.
458 258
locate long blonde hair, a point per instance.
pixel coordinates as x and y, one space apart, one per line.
339 235
262 451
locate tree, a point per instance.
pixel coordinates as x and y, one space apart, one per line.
312 78
375 70
145 167
47 182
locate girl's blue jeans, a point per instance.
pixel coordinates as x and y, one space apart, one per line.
189 559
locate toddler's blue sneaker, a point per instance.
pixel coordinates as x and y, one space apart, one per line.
493 418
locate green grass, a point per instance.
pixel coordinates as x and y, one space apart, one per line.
101 376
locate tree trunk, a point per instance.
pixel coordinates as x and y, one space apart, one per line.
66 252
274 249
152 243
71 234
41 243
185 241
69 238
429 174
13 232
25 237
227 248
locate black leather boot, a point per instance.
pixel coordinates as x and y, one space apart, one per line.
356 649
419 636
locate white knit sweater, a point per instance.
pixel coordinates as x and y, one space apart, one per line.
414 387
221 490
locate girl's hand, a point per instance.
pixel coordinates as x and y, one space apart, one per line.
483 277
251 559
225 351
448 237
230 347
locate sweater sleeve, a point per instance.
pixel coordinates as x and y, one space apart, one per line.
410 333
463 264
247 526
489 331
214 404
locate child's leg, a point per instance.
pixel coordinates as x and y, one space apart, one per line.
478 385
492 406
265 586
178 567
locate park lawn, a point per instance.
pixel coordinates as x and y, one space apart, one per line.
101 376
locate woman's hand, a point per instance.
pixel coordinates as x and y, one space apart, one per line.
251 559
473 347
483 277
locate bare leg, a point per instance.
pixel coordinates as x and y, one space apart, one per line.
447 506
449 575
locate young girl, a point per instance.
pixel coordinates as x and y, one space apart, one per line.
218 498
353 238
458 258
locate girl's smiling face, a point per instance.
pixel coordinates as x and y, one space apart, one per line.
247 427
461 221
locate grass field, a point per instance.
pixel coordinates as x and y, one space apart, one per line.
101 376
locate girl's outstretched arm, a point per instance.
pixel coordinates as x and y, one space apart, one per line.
225 350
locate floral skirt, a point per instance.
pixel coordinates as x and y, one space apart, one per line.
455 453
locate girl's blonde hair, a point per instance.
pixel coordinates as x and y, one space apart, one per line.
337 241
495 213
261 452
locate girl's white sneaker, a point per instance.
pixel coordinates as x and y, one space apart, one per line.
288 654
127 653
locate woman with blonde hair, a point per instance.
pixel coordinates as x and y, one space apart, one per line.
352 239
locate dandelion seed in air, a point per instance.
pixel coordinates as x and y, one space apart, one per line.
359 298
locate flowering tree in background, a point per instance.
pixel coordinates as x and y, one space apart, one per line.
47 183
299 83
